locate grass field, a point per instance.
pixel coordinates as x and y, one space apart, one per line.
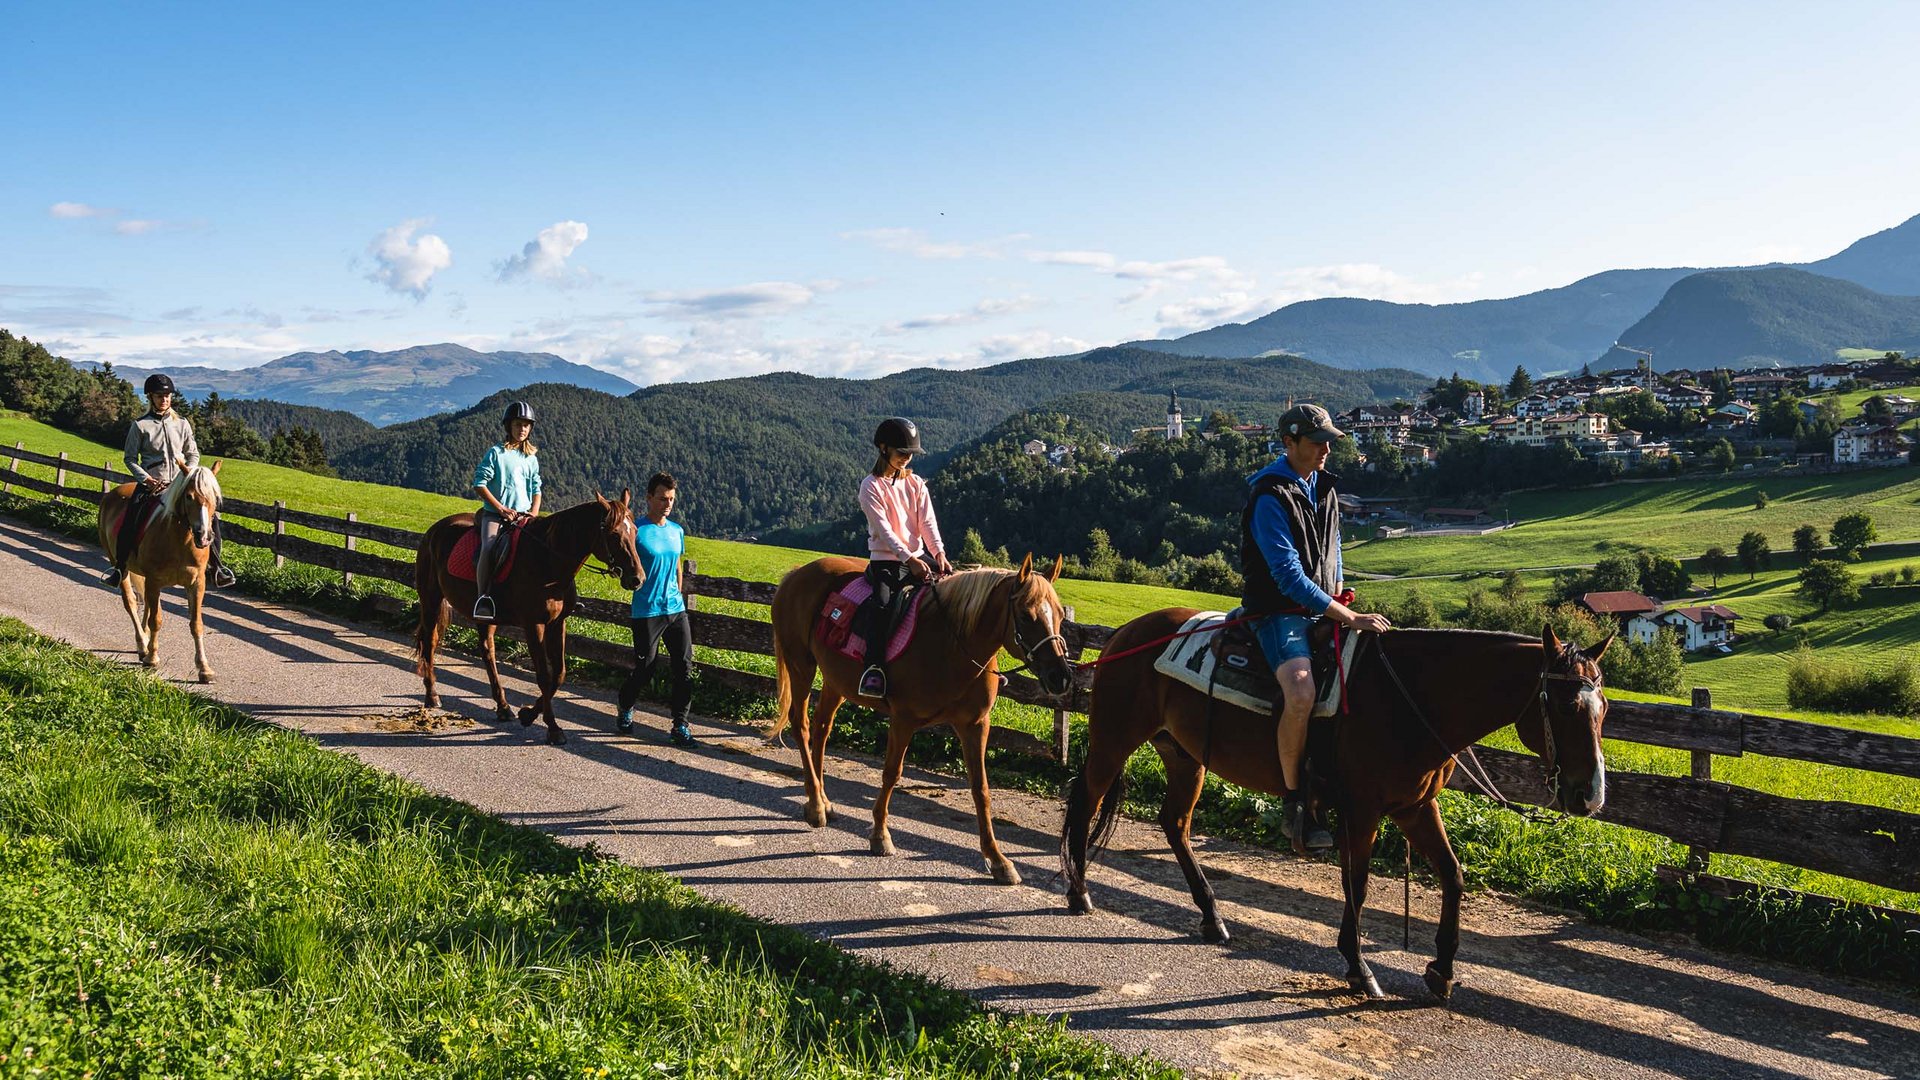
185 892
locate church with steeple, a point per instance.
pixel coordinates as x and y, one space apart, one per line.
1176 428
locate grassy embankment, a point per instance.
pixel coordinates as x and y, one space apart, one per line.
1603 870
184 891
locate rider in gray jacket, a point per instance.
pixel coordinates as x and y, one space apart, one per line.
156 445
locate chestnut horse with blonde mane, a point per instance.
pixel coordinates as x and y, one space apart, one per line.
1418 698
948 674
173 551
537 593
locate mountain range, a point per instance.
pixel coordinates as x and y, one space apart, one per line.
1566 327
387 387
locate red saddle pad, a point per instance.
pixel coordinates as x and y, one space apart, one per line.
150 513
460 559
835 625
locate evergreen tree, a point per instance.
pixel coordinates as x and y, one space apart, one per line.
1520 385
1754 553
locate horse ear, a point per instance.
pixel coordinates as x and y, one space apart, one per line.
1026 568
216 467
626 495
1600 650
1054 575
602 499
1550 639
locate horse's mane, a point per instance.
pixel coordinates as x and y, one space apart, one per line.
965 594
191 486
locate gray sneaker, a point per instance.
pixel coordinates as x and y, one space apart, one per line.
1300 827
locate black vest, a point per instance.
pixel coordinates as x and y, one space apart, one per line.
1316 535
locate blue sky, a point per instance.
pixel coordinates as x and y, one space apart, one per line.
694 191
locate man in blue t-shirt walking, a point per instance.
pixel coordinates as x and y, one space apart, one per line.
660 612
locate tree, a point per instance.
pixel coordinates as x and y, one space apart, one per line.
1415 611
1779 622
973 550
1714 561
1850 533
1877 410
1782 418
1102 561
1754 553
1521 384
1511 588
1663 576
1761 499
1721 455
1829 583
1806 543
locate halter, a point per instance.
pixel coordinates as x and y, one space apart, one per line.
1013 620
1477 773
609 570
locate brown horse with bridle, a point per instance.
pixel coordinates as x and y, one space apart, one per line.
173 551
1418 699
948 674
537 594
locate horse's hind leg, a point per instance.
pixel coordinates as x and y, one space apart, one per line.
973 746
196 604
556 673
1186 778
1357 834
815 747
501 712
1105 762
1428 836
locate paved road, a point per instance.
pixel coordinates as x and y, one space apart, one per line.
1542 995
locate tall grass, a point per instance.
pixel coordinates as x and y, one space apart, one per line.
184 891
1827 682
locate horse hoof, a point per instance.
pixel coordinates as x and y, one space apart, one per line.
1079 903
206 676
1215 933
502 714
1367 986
527 716
1005 874
1440 985
816 817
554 737
881 845
433 701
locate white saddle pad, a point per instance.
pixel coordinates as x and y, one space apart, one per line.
1190 659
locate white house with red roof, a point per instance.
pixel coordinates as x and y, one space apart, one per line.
1699 626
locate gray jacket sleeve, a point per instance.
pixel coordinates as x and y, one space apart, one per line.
192 446
132 457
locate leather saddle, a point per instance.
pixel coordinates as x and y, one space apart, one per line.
1236 649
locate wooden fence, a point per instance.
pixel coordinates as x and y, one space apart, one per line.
1865 843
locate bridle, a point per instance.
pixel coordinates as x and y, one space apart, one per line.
1019 640
1551 754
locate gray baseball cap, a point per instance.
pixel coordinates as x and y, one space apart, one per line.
1311 422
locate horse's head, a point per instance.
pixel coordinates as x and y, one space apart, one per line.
194 498
1035 619
1573 706
613 542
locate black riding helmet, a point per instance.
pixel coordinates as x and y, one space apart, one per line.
897 433
519 410
159 384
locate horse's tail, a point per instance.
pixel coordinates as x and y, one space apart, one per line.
783 689
1100 830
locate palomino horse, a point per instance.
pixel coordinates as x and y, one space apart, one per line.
1418 698
173 552
537 594
948 674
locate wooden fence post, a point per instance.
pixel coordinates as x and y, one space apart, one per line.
1060 713
687 569
346 576
106 485
1698 857
13 466
279 530
60 475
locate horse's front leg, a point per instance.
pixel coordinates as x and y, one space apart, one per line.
973 745
556 674
1357 834
1428 835
150 593
196 604
501 711
537 656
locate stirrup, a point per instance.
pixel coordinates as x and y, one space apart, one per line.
114 577
873 682
223 576
483 609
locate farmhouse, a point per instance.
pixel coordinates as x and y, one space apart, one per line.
1869 444
1699 627
1619 606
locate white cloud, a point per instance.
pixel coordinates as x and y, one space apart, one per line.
1202 312
404 264
137 226
545 256
756 300
1210 268
985 309
1368 281
915 242
69 211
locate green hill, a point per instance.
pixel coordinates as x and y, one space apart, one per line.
338 428
789 450
1745 318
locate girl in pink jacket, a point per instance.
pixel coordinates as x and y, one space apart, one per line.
903 541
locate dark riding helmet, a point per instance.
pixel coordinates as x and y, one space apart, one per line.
897 433
519 410
159 384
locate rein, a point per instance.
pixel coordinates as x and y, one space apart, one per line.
586 564
1477 773
979 669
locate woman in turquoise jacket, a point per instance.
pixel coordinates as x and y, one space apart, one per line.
508 483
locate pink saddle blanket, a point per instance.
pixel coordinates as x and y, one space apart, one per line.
835 626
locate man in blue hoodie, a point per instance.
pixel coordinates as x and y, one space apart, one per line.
1290 552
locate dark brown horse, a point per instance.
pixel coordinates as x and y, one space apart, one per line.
173 551
948 674
1418 698
537 594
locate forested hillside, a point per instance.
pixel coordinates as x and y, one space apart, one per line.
338 428
789 449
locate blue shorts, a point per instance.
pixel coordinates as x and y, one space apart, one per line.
1283 638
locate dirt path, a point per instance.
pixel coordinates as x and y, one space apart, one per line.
1542 995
